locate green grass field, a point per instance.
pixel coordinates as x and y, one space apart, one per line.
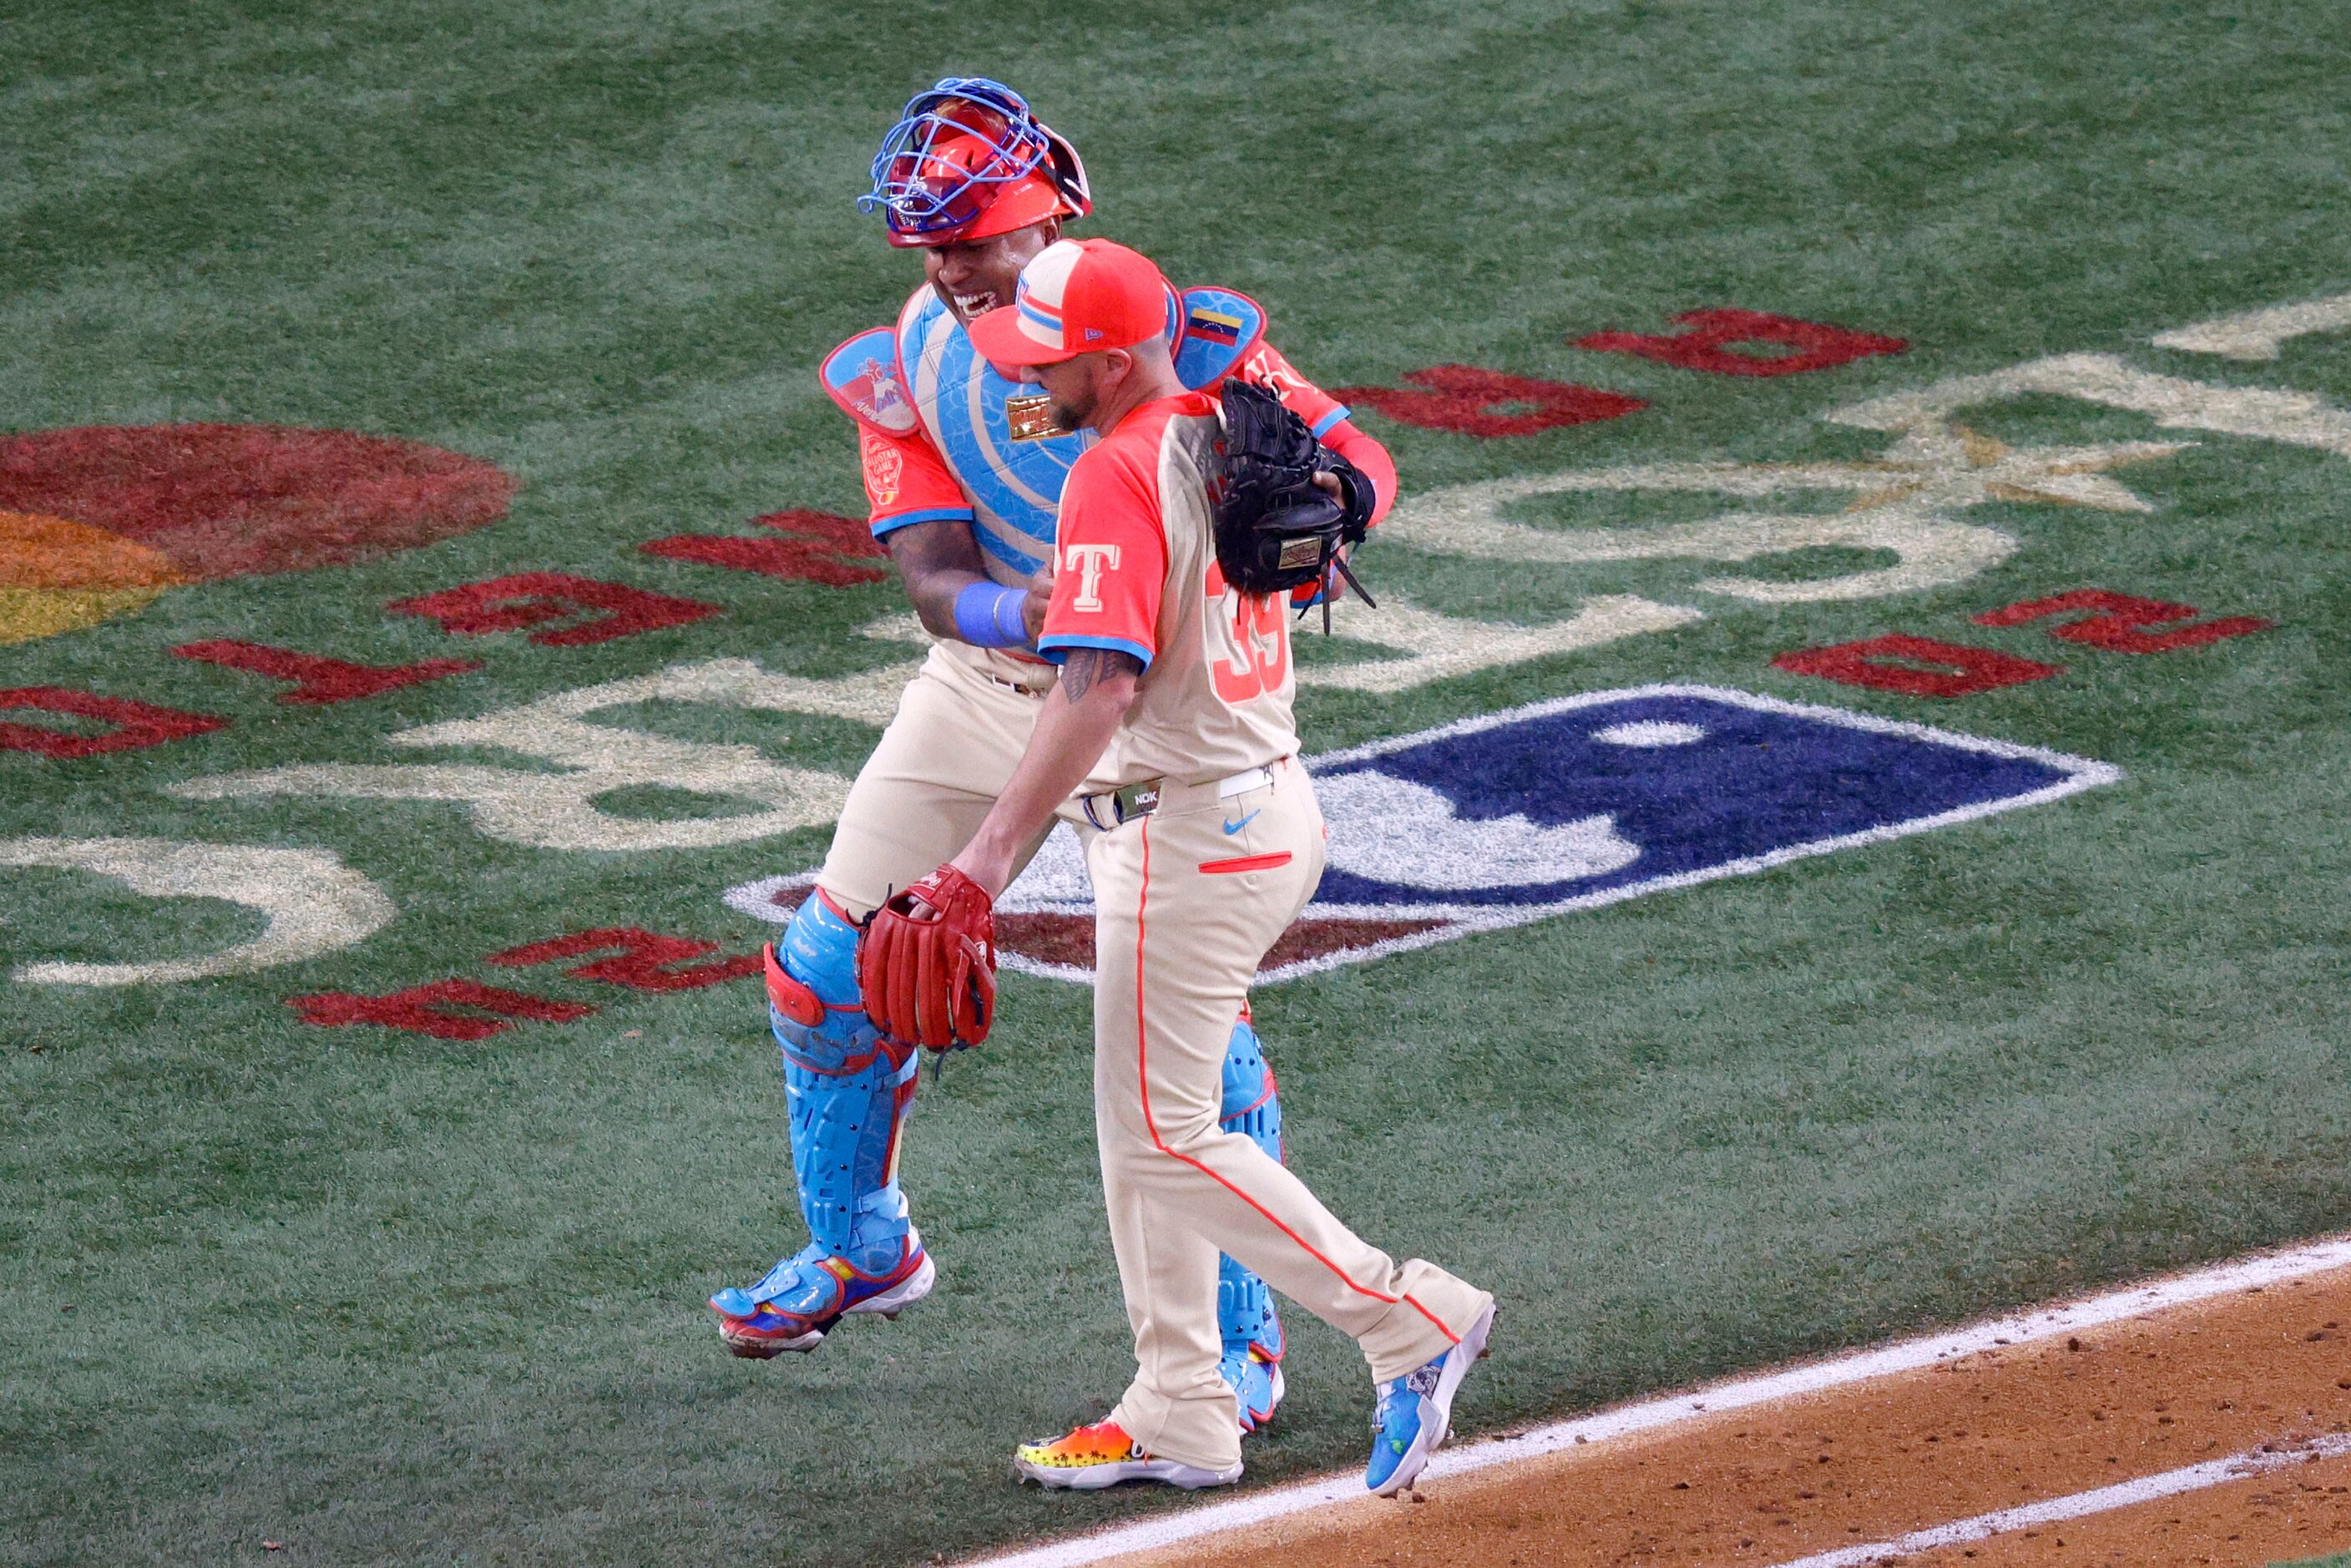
383 1297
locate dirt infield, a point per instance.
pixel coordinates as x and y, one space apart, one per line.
2262 1372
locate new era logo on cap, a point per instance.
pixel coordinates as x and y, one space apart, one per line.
1075 296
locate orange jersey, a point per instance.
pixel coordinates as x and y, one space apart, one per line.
1136 571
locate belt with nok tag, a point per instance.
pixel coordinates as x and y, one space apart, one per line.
1112 807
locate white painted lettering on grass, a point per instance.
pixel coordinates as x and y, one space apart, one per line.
312 901
559 811
2296 419
1440 646
1902 503
2258 334
1902 518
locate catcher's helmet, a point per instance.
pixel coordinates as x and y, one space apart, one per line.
967 160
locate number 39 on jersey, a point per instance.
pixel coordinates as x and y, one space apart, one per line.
1247 639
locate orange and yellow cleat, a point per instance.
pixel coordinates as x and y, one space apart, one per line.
1103 1455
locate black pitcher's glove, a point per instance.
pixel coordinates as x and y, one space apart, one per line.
1275 528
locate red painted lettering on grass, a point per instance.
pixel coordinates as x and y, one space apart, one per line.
1707 345
817 546
1465 399
1916 666
533 598
318 681
2116 626
136 724
426 1009
643 963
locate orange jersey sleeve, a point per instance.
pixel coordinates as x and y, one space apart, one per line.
1327 417
1271 369
1109 571
907 481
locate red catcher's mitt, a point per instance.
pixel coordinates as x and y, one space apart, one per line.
926 969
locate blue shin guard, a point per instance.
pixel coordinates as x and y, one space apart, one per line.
849 1091
1246 1319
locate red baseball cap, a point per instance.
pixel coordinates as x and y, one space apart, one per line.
1075 296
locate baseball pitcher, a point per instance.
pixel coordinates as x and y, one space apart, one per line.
1171 722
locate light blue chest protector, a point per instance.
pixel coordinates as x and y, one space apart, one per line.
1013 486
929 377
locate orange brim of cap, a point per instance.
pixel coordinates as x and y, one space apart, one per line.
1032 199
1000 342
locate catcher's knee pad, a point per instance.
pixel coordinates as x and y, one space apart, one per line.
1245 1312
812 997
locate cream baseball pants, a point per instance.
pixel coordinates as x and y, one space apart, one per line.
1188 899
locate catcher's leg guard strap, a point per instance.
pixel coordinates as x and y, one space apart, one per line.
1245 1314
849 1092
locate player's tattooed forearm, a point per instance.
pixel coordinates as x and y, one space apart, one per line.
1085 666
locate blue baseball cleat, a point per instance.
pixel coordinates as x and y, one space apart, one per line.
801 1298
1415 1412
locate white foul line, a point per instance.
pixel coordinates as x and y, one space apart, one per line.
2123 1494
1905 1355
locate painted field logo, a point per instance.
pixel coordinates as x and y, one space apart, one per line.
99 521
1565 805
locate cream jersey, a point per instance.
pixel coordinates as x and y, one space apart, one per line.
1137 572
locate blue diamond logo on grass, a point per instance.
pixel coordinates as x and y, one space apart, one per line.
1571 804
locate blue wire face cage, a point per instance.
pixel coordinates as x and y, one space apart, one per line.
958 147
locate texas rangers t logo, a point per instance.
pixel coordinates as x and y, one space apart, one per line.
1089 561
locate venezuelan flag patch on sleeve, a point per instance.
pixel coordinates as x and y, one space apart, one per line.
1214 331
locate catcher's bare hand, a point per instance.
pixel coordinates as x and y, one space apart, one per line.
1040 594
926 967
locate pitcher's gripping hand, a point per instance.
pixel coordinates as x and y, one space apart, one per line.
926 969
